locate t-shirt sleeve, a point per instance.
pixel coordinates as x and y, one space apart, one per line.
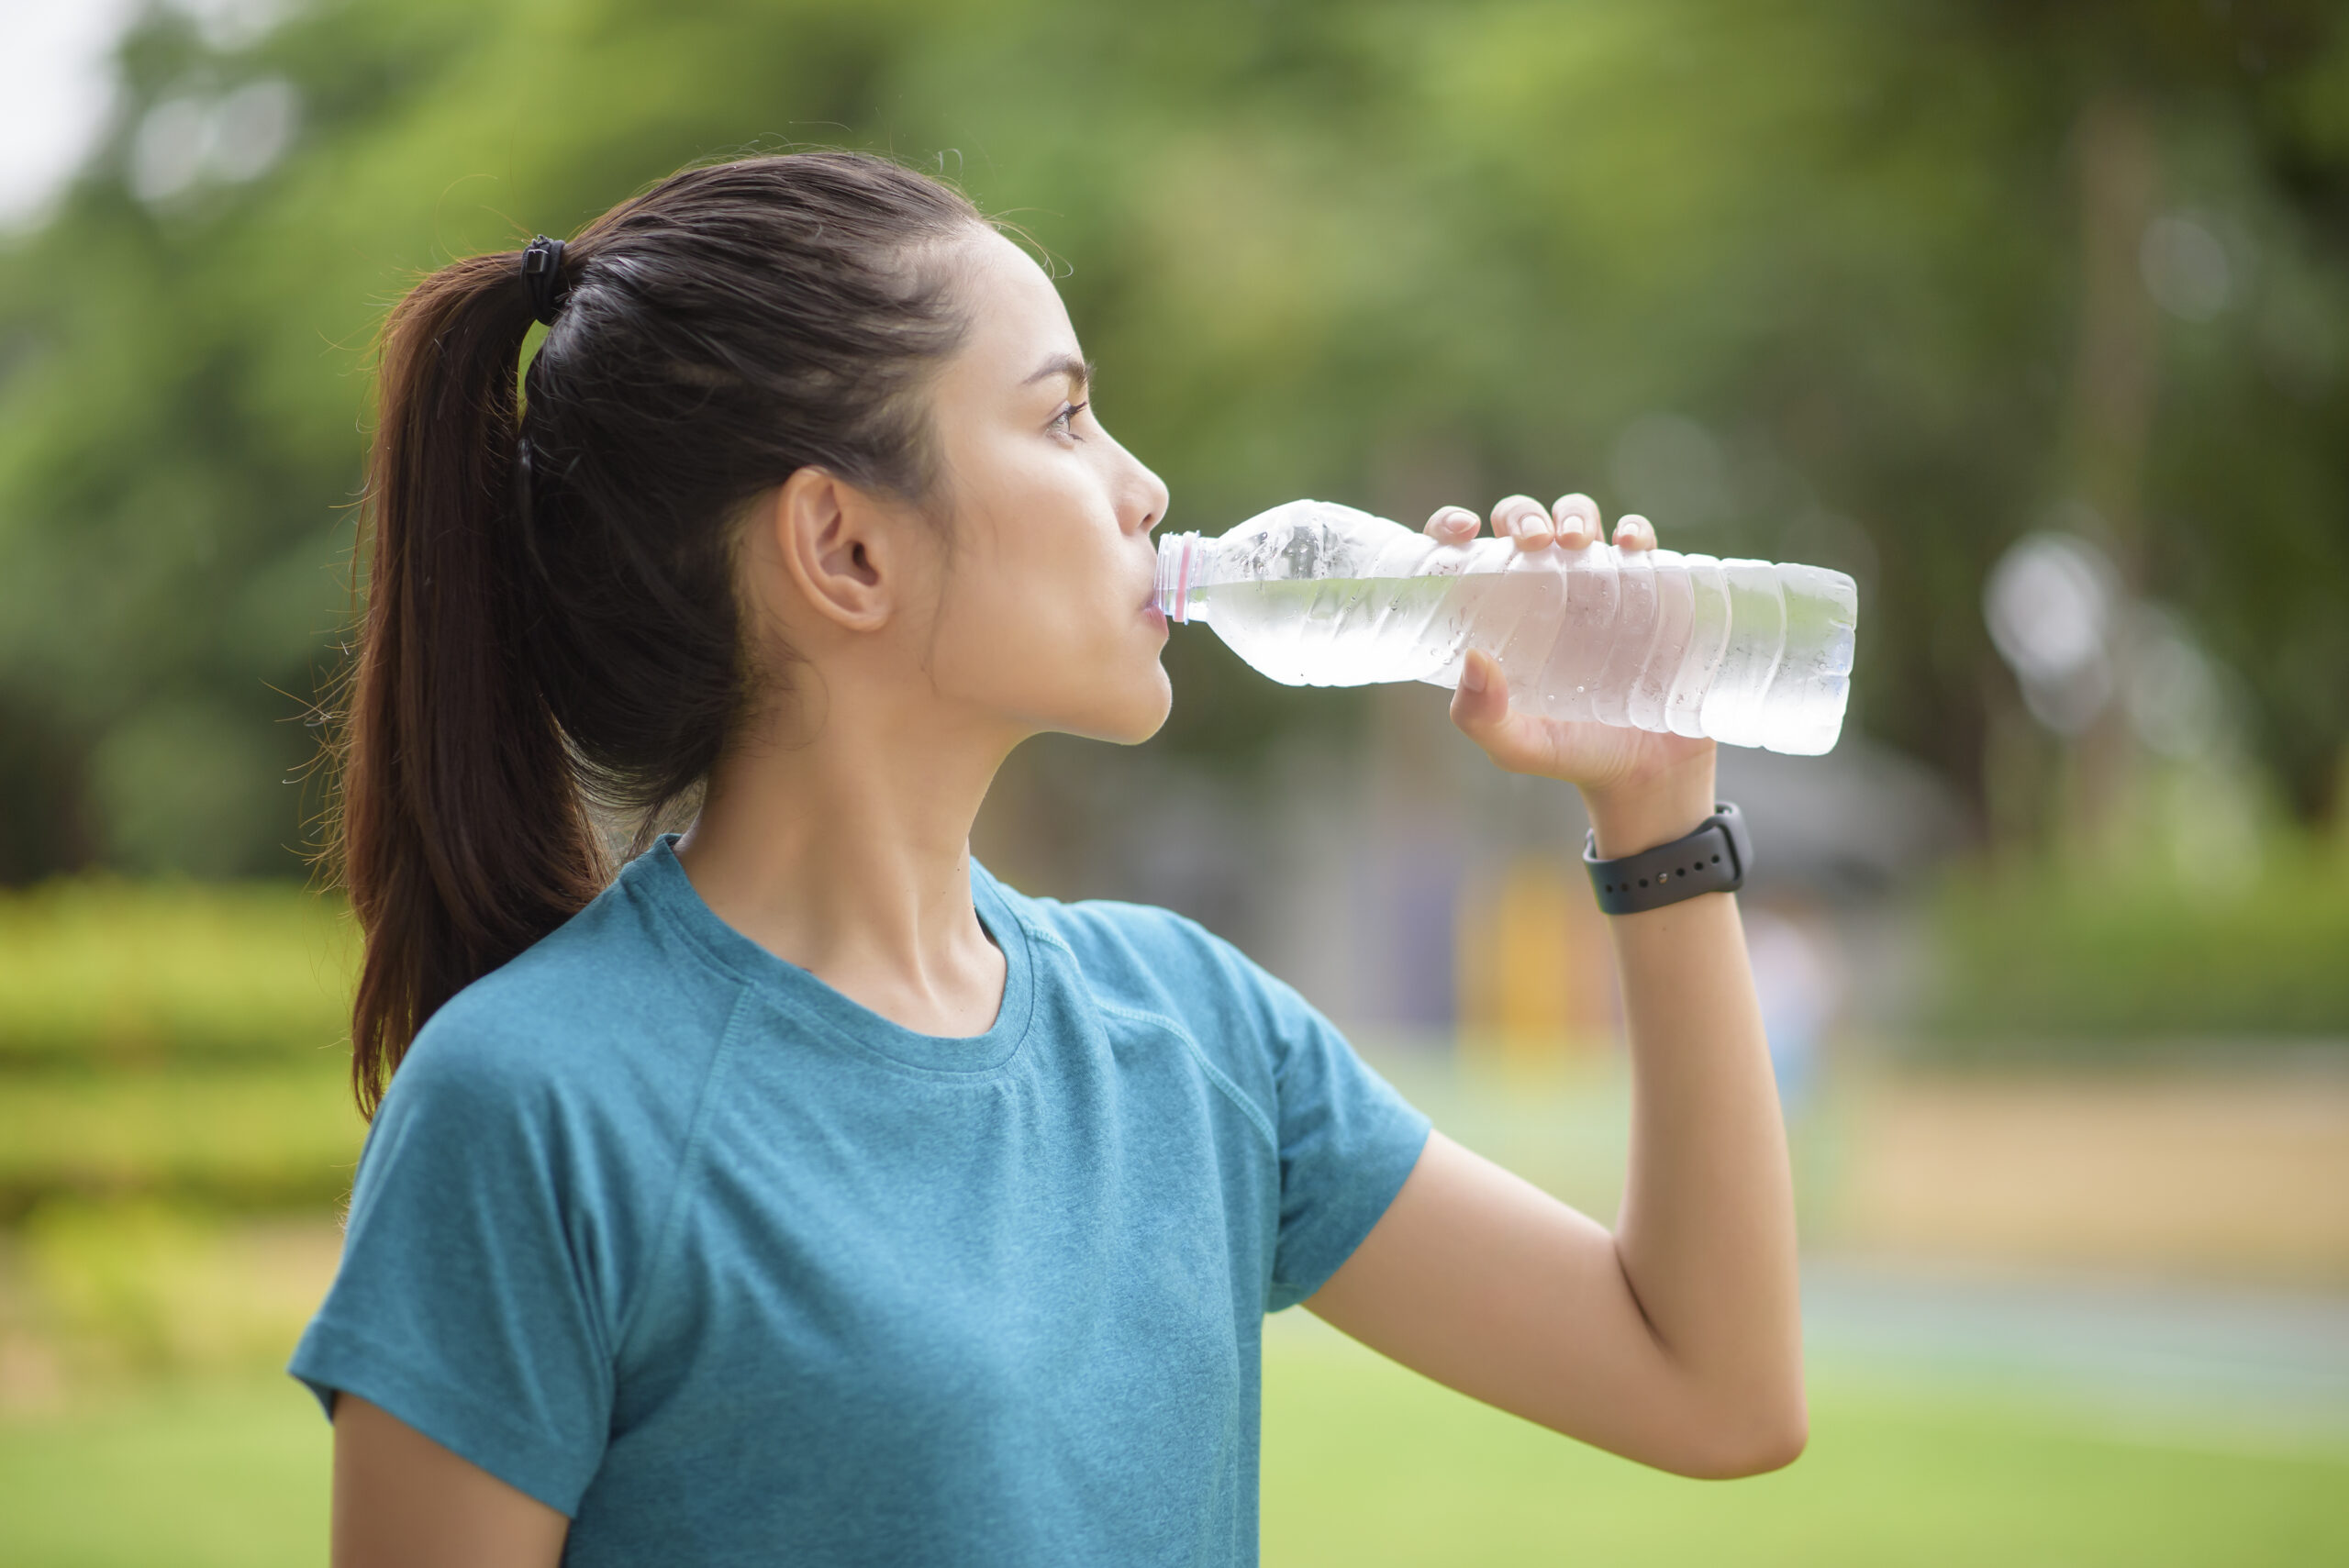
465 1305
1347 1140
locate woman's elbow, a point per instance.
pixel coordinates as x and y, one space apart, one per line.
1773 1448
1732 1448
1756 1448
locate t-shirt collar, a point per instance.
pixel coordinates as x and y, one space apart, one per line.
657 878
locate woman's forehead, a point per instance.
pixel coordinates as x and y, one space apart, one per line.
1018 325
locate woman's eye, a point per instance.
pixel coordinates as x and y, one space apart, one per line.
1060 425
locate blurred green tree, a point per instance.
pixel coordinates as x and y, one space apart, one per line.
1830 280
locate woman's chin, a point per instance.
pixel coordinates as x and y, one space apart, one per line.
1151 715
1130 717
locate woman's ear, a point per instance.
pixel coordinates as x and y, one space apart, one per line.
843 550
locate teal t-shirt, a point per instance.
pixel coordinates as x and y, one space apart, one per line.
671 1236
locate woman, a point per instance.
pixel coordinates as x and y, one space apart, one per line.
803 1194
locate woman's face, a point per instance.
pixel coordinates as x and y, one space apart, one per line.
1044 614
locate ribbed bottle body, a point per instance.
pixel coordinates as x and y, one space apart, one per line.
1746 651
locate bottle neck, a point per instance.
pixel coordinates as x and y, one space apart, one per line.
1180 556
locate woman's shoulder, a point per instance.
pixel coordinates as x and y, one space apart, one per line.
607 1003
1113 932
1143 956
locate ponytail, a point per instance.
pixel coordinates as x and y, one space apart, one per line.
537 636
464 836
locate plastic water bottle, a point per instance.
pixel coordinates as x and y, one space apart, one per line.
1317 595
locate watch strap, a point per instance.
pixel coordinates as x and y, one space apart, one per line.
1713 859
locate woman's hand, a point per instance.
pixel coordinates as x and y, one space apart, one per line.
1642 788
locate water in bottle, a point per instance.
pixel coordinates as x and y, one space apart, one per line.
1317 595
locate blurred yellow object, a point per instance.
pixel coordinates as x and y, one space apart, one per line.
1535 981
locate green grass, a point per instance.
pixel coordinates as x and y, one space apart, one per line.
233 1474
1365 1464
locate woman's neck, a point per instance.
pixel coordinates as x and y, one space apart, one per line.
848 854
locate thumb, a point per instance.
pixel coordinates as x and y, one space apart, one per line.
1480 703
1480 707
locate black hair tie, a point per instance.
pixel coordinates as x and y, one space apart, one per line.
542 276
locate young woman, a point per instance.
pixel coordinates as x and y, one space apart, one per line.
803 1194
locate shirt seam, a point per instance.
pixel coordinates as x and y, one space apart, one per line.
1214 1075
1049 937
688 1153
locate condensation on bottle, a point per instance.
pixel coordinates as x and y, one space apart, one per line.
1312 594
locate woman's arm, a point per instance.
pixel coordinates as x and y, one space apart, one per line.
1675 1340
403 1501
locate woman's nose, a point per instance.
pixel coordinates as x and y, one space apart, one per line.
1151 498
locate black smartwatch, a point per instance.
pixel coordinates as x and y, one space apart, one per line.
1711 860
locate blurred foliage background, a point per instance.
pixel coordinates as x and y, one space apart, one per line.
1878 286
1898 287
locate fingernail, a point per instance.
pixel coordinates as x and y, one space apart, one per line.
1471 676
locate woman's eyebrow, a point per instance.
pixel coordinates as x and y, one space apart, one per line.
1079 372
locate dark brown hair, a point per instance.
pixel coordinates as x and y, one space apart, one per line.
538 640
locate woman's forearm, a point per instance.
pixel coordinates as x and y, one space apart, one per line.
1706 1231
